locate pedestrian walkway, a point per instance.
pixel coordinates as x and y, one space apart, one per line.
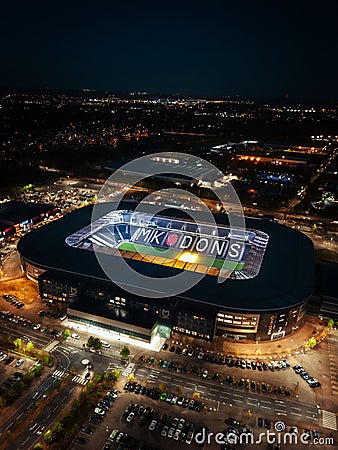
329 420
79 380
51 346
128 369
60 374
333 361
153 375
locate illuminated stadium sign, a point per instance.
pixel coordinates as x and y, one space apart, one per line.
176 243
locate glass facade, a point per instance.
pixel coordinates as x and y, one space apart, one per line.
109 327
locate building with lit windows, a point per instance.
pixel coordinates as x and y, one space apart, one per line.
265 298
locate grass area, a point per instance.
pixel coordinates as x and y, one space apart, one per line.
175 254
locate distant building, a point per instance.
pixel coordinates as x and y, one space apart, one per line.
18 216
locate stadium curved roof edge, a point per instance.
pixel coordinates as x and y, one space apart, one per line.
286 277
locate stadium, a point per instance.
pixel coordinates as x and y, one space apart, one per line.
270 270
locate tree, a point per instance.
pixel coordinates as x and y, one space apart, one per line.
38 446
131 377
125 352
162 386
330 323
57 384
58 427
48 437
94 343
312 342
18 344
116 374
29 347
180 390
97 377
65 334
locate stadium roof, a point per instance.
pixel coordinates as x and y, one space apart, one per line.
286 277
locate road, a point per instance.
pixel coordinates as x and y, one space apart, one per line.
33 432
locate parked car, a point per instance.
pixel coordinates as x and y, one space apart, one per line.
164 430
130 417
152 425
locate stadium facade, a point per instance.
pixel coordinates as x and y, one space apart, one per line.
265 298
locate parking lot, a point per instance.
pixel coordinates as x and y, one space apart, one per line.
146 410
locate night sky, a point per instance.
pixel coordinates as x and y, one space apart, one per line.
250 48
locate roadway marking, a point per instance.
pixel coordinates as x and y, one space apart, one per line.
25 441
51 346
329 420
31 428
9 426
80 380
128 369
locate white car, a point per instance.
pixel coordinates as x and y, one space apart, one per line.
171 432
19 363
205 373
200 355
177 435
190 352
130 417
105 344
37 326
181 424
152 425
100 411
2 357
75 336
164 430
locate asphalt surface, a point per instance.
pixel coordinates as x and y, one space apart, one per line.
224 395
